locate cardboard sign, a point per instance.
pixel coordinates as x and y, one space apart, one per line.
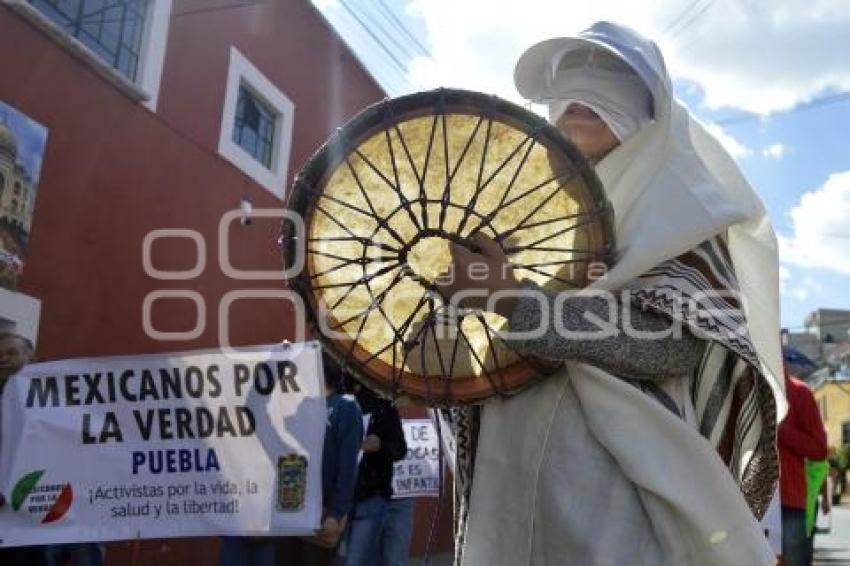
418 475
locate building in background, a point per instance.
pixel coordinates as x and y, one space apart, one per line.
165 116
826 332
830 326
17 191
804 342
22 145
833 399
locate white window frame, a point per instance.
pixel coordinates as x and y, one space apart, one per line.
154 43
145 88
242 72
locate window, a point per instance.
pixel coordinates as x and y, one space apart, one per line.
256 125
111 28
124 40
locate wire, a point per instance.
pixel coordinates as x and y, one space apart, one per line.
678 18
693 19
815 103
377 39
792 230
832 322
388 35
220 8
400 25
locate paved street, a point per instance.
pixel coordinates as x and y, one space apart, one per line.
834 548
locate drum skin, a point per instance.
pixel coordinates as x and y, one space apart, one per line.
382 199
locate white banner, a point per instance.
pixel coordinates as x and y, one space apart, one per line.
187 444
418 475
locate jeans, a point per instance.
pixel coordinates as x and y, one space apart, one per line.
398 528
80 554
362 539
294 551
795 543
23 556
243 551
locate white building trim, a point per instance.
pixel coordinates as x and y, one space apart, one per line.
154 42
242 72
152 54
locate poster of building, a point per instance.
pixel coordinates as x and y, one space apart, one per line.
22 145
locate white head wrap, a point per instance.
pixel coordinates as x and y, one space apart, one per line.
620 100
618 96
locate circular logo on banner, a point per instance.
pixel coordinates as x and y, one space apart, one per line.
48 501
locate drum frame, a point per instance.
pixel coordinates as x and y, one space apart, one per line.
368 367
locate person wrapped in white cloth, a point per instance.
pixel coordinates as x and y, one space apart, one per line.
648 447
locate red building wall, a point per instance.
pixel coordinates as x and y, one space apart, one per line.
114 171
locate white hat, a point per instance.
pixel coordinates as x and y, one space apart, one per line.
537 63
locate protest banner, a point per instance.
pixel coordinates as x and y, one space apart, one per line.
186 444
418 475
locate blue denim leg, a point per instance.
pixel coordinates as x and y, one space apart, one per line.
794 540
80 554
398 528
241 551
364 532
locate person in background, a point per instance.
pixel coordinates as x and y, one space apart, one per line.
801 435
816 484
397 531
16 352
343 439
247 551
384 444
76 554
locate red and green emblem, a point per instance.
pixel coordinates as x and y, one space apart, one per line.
35 497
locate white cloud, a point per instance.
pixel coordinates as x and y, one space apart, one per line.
813 285
735 148
821 237
791 285
799 293
775 151
784 276
756 56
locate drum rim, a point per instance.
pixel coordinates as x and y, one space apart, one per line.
363 125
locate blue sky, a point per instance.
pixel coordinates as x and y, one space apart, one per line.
32 139
767 77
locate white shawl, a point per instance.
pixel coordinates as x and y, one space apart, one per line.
672 187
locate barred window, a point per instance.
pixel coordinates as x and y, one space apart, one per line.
113 29
254 126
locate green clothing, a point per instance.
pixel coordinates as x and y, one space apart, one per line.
816 471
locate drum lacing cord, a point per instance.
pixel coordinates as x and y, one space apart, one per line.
435 514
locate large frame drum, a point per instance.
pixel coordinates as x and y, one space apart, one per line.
385 195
